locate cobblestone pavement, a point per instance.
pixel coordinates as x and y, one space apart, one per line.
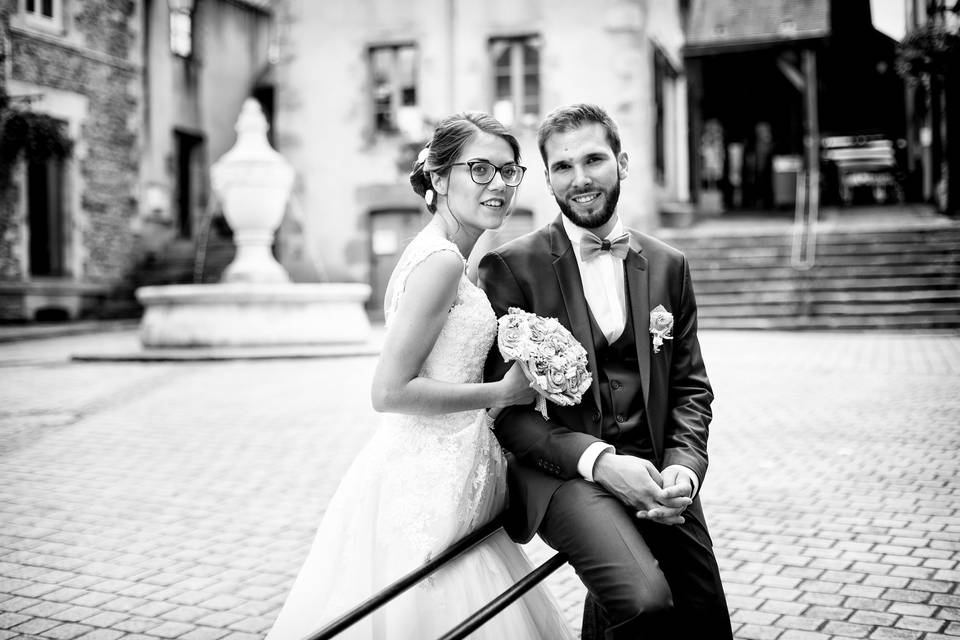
177 501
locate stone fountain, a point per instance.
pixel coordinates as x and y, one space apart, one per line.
255 305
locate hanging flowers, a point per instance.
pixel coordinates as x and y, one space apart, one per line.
37 137
928 49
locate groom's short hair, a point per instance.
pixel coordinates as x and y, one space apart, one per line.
574 116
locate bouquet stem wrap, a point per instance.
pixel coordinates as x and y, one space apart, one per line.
550 357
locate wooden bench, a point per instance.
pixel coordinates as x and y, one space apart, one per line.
863 161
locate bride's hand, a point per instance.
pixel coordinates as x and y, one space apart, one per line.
515 388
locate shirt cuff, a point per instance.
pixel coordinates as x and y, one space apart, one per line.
589 458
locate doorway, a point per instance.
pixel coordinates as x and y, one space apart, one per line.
190 181
391 230
46 218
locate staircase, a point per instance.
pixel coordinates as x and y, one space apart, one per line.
869 277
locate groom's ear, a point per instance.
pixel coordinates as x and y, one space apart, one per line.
546 176
622 161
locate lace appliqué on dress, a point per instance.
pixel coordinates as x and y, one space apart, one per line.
458 460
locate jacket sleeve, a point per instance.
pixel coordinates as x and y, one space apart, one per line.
690 392
544 444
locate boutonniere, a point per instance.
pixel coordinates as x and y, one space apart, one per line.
661 326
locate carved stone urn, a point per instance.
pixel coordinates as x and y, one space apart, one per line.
253 183
255 308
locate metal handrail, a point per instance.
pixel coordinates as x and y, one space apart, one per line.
800 204
203 239
393 590
469 625
506 598
803 253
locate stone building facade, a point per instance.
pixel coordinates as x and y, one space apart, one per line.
194 95
79 62
149 91
360 84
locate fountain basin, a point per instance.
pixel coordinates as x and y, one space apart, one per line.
251 314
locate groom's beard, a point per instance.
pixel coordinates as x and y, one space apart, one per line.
593 219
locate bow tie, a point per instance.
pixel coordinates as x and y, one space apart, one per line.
591 246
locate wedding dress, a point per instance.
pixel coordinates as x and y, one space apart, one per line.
420 484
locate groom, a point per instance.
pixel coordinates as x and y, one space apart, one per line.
612 482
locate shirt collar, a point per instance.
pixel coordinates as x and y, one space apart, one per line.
575 233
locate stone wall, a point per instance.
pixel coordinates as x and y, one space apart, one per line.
95 57
6 6
10 268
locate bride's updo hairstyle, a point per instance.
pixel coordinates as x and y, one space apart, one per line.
449 139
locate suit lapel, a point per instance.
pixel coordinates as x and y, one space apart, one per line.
571 289
638 283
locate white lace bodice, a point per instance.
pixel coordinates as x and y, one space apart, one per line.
458 482
471 325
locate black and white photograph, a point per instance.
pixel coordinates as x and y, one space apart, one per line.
509 320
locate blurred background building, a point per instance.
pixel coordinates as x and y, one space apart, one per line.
723 106
361 84
766 78
146 92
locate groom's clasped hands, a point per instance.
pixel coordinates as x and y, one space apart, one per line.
638 484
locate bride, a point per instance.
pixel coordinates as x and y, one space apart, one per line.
433 471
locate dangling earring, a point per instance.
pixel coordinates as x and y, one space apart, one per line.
429 197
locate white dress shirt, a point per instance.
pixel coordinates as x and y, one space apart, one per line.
603 287
602 278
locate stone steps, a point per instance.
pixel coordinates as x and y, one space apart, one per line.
821 296
865 278
887 323
736 260
738 283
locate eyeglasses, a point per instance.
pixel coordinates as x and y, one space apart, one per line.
482 172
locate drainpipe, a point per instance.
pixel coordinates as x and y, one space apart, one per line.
451 55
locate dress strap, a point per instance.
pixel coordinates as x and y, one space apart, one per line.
423 246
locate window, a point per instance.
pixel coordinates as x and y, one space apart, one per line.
43 13
516 80
181 32
393 72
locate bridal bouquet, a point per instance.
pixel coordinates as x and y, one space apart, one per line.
552 359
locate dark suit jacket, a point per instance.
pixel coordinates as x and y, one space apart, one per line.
538 273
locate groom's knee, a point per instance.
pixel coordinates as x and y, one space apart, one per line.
607 551
640 598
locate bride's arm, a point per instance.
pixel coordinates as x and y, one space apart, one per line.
397 387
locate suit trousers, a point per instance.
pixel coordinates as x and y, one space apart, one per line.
648 580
